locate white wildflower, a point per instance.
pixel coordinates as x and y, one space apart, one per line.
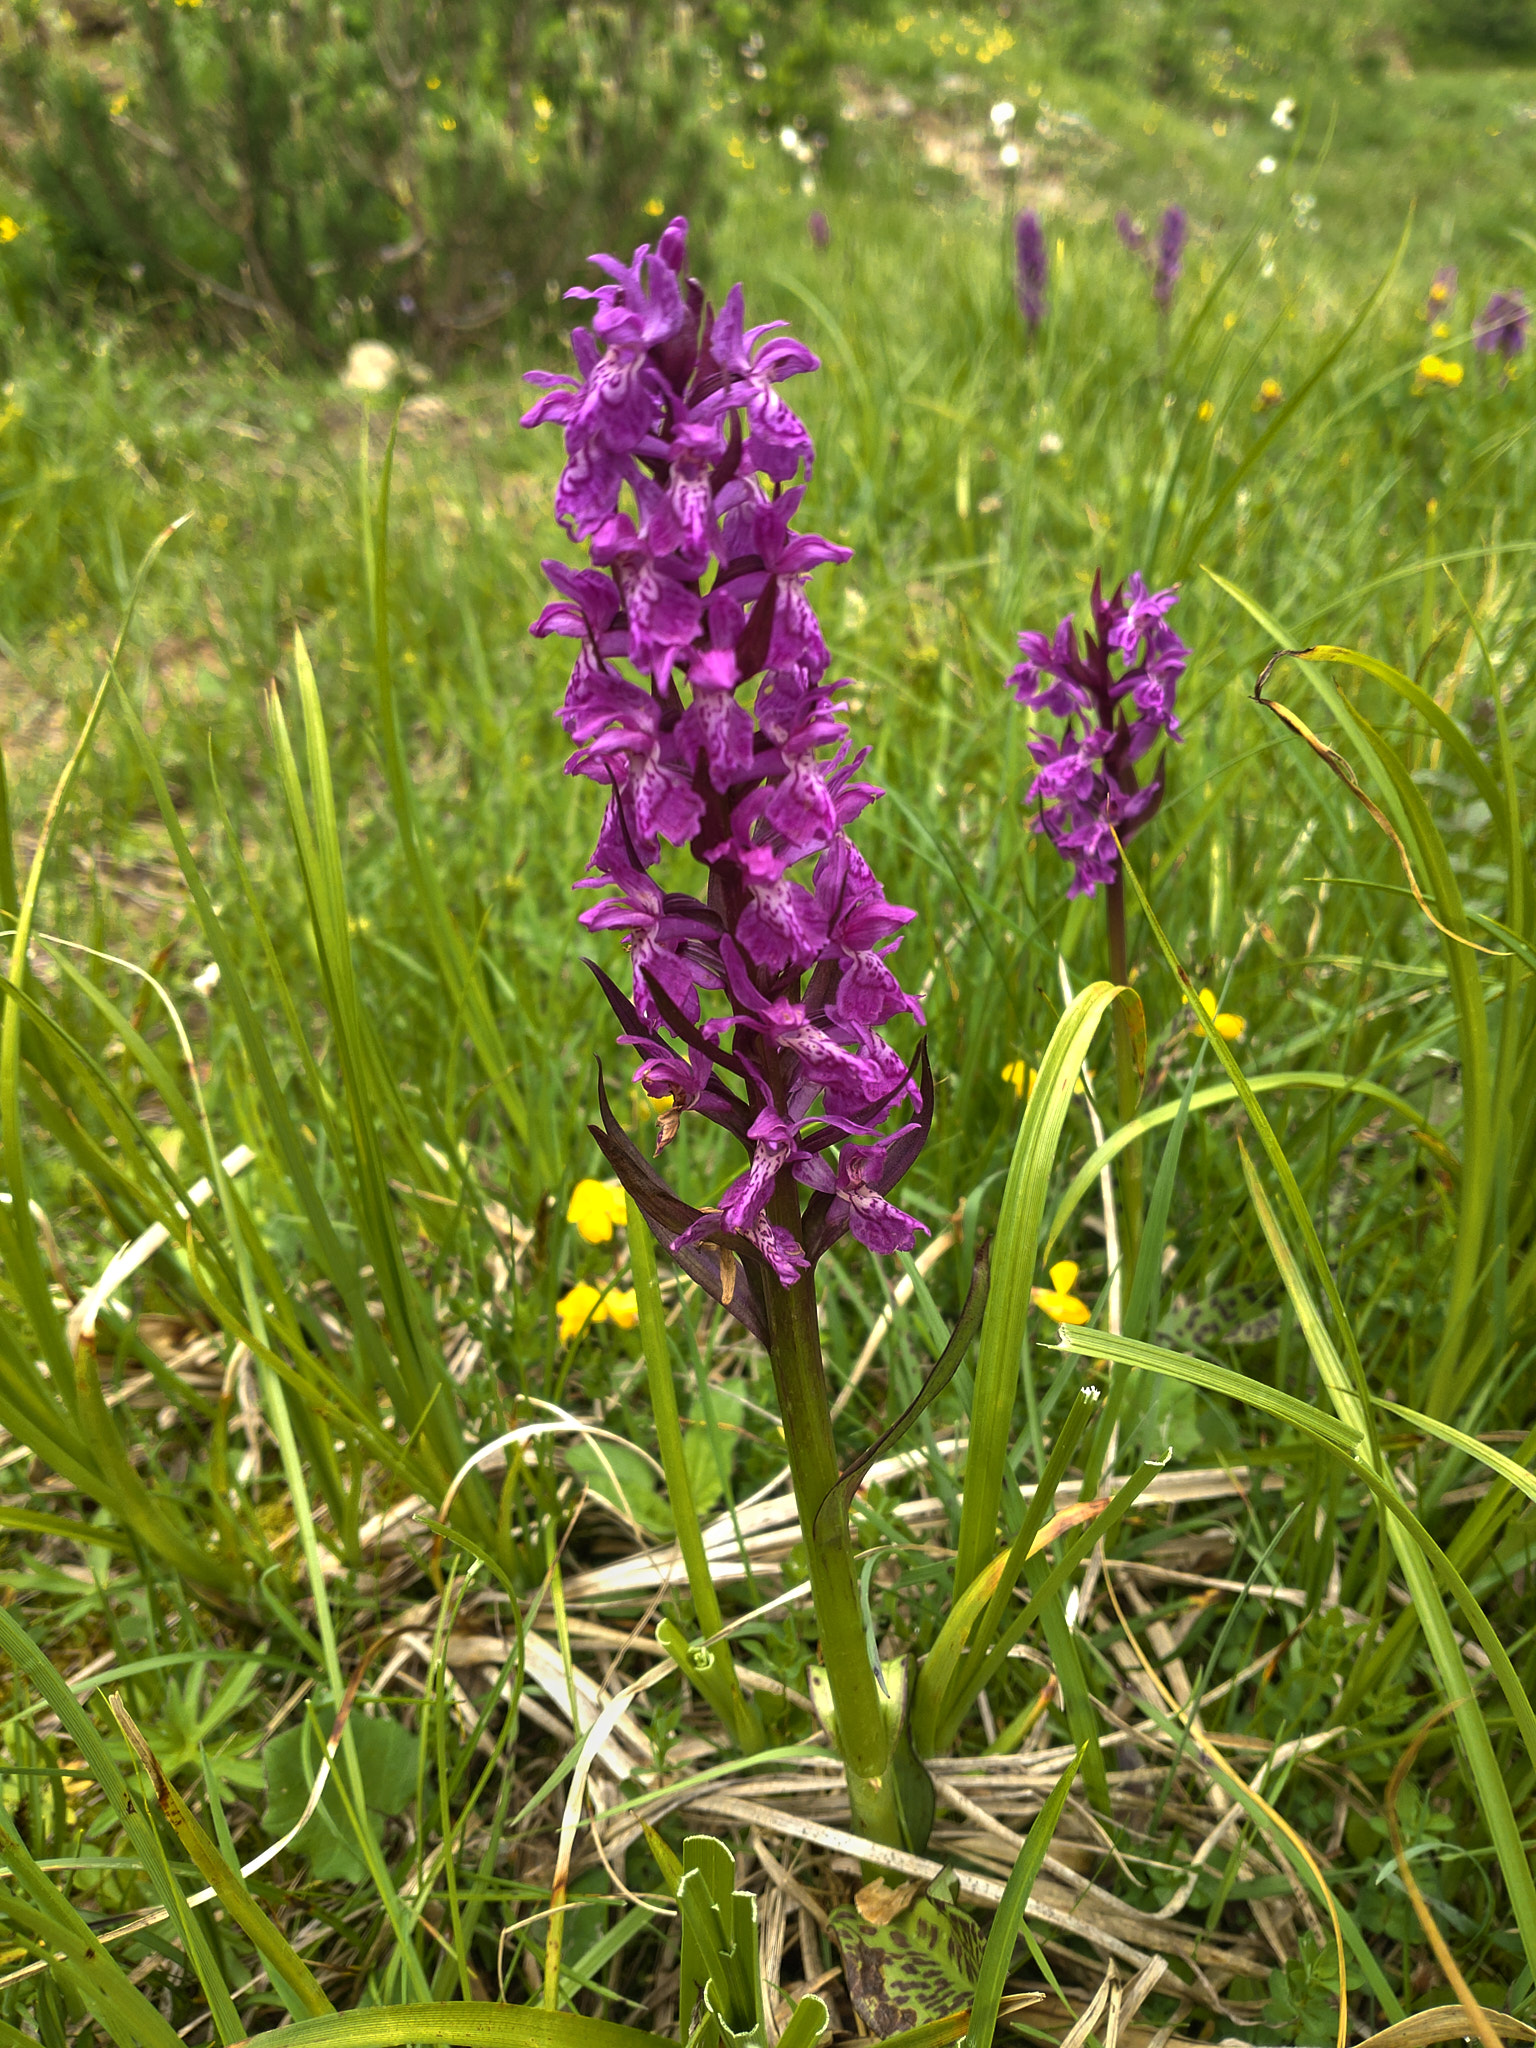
1003 113
1267 167
371 366
1008 156
1284 115
206 982
1050 444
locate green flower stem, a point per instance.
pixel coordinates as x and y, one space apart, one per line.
1129 1093
863 1732
745 1725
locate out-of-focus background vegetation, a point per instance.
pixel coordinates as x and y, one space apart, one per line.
204 208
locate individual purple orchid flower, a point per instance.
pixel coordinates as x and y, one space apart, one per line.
762 1001
1032 267
1501 327
1116 693
1131 235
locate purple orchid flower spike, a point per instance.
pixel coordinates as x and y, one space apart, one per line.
1172 234
761 1002
1029 284
1115 693
1501 326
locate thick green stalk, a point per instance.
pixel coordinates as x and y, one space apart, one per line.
864 1734
1126 1083
745 1725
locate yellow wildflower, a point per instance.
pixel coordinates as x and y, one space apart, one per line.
582 1305
1270 393
433 84
447 124
655 208
597 1209
1022 1079
1058 1300
1206 410
1231 1027
1440 332
621 1307
9 229
118 103
542 109
1439 292
1436 370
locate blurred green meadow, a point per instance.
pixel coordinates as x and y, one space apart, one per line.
328 919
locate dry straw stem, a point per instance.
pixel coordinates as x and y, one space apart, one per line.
1468 2004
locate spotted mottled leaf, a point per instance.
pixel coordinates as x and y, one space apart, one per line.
1226 1317
920 1966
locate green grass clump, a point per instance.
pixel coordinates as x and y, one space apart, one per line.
324 760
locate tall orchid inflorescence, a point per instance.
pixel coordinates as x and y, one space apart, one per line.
761 1001
1087 790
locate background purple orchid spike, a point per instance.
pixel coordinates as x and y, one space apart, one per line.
1087 781
1029 283
1172 234
1502 324
760 1003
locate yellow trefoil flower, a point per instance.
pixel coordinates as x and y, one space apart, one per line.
1206 410
1440 332
587 1304
9 229
1271 391
1436 370
447 124
655 208
1022 1079
1058 1301
597 1209
620 1306
576 1309
1230 1026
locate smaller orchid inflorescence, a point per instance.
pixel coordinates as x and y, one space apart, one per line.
1172 234
698 585
1164 258
1086 791
1500 329
1441 294
1031 267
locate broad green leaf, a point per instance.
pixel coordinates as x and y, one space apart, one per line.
473 2025
1013 1267
386 1755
